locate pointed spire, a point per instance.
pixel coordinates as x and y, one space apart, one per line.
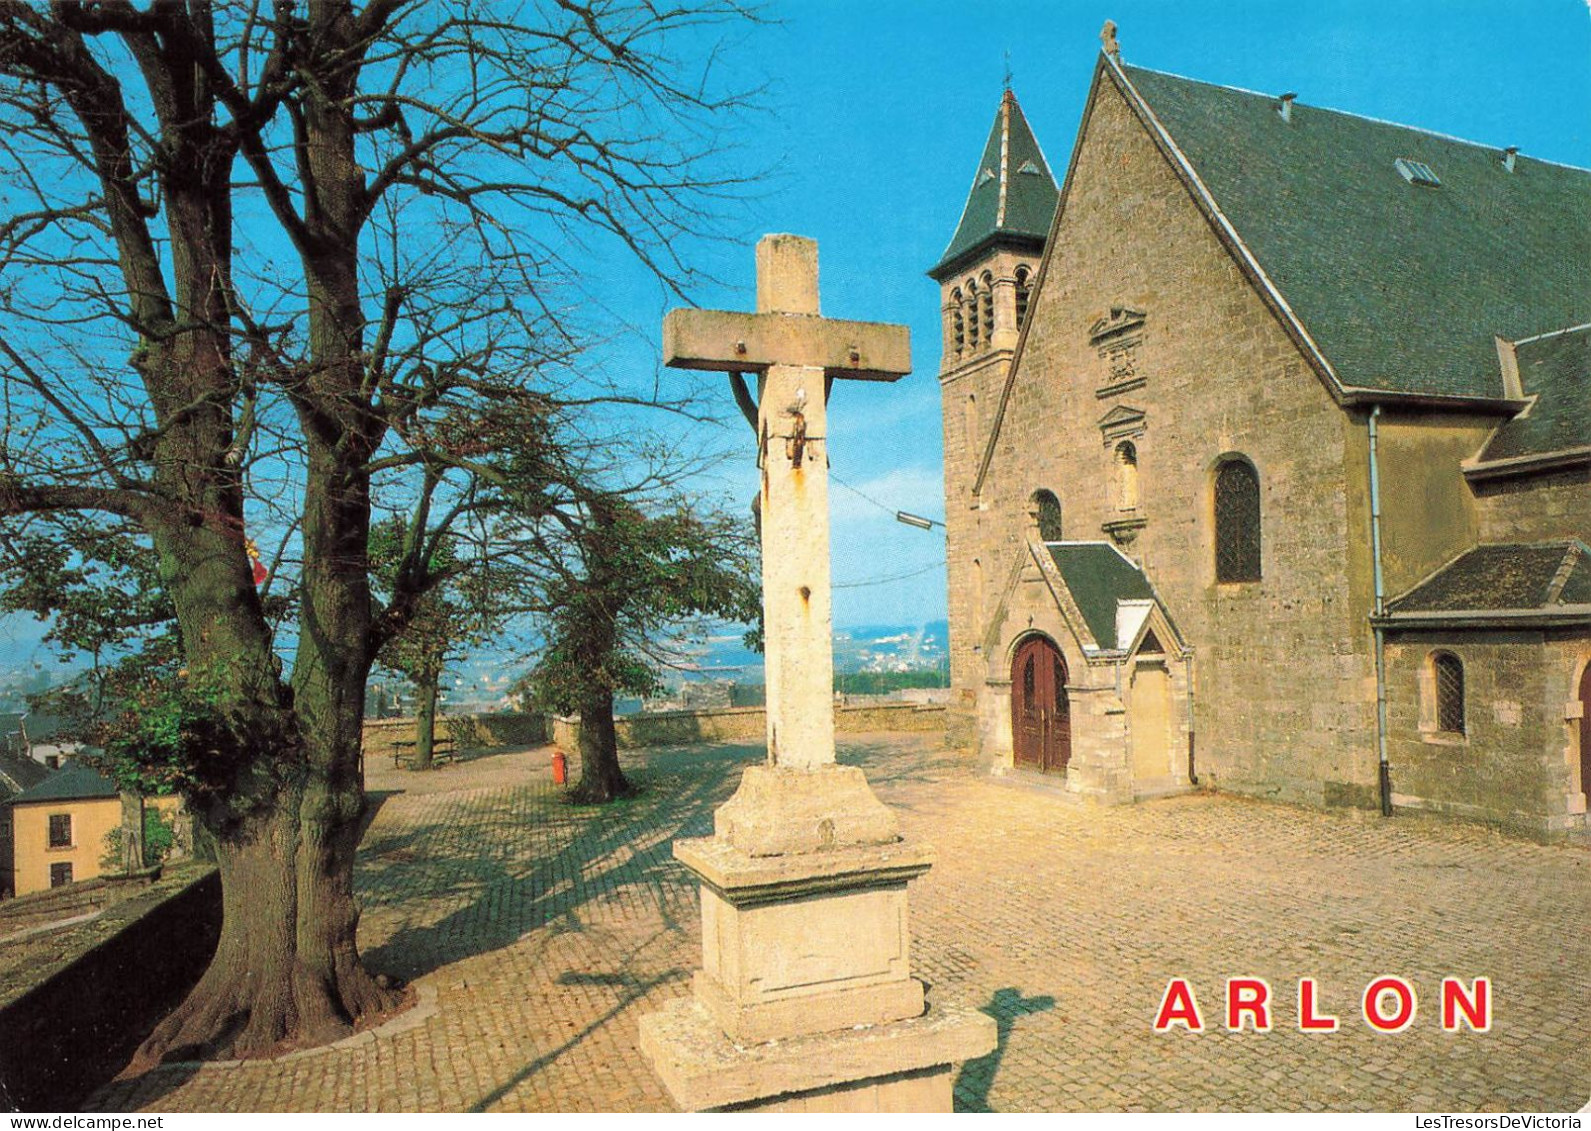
1013 193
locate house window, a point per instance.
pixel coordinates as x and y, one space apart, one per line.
1448 678
60 830
957 322
973 325
988 303
1047 511
1237 522
60 875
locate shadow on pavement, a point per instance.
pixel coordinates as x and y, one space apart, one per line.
537 863
635 989
976 1076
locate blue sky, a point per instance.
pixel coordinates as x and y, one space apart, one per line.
874 115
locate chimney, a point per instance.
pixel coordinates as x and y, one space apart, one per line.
1508 157
1285 106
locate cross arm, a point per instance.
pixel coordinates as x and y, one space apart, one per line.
728 342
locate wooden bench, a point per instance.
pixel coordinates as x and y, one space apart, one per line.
403 752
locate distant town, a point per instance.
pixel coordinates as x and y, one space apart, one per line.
715 671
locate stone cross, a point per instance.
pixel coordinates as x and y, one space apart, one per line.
797 354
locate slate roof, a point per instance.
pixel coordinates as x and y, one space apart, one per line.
1013 193
72 782
1555 368
42 727
1401 286
18 773
10 731
1541 577
1099 579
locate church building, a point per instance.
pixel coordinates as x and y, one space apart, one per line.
1268 458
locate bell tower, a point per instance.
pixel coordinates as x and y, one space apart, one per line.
986 275
986 280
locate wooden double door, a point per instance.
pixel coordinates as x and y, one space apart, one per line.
1041 718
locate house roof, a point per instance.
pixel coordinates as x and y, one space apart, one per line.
1013 193
18 773
1514 578
72 782
1099 579
41 726
1399 285
1556 370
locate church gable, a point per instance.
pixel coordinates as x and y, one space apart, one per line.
1131 268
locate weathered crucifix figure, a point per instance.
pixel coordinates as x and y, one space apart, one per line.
796 354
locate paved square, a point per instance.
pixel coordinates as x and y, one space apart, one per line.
541 932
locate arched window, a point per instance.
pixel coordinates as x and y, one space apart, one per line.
1126 476
1047 510
973 324
1237 522
988 304
1447 672
957 322
1024 291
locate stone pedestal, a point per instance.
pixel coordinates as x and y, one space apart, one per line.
805 1000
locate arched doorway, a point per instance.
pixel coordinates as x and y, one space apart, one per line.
1585 731
1041 718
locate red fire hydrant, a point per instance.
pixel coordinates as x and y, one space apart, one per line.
560 767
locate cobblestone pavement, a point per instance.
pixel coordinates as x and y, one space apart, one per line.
543 932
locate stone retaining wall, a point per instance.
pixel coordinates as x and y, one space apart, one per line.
382 736
81 1021
41 907
674 727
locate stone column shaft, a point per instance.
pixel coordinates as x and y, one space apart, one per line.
797 614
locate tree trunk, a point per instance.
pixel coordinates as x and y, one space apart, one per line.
425 718
270 986
132 832
601 779
286 971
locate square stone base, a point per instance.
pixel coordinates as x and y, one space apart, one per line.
906 1065
930 1090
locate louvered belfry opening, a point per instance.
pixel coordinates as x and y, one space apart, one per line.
1237 522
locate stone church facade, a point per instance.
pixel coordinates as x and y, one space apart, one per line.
1268 458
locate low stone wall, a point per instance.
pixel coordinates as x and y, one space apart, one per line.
668 728
41 907
86 1010
468 732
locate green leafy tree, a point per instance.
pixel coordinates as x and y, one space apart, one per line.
457 610
628 579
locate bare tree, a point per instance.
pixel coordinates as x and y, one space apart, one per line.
264 268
